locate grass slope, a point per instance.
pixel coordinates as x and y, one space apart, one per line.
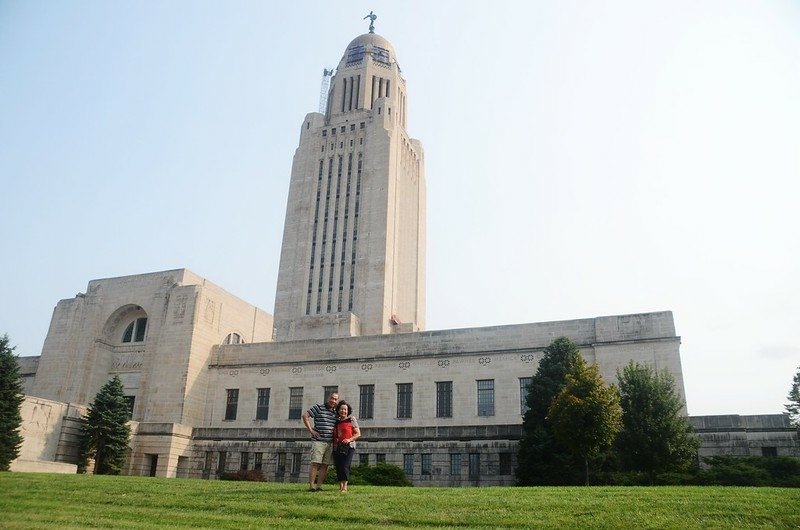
31 500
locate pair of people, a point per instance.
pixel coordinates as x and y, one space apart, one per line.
334 431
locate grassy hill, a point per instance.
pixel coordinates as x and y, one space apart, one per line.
29 500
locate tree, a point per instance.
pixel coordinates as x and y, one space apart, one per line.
793 407
11 397
543 460
106 432
585 414
656 437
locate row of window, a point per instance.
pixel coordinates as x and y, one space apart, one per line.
343 128
294 461
341 238
366 400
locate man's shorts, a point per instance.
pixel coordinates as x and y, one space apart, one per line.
321 452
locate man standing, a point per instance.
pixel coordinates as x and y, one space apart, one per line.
324 415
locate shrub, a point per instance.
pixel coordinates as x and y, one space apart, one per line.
380 474
252 475
751 471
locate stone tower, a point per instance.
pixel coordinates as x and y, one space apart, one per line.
353 254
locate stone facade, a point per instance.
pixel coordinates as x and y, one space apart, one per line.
732 434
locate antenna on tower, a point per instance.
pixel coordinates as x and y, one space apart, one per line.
323 90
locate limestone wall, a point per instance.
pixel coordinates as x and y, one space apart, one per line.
50 433
737 435
503 354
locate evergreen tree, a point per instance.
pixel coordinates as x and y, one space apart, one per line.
106 431
655 436
543 460
11 397
585 415
793 406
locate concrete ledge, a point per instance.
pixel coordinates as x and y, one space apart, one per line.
38 466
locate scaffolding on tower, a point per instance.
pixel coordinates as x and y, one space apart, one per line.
323 91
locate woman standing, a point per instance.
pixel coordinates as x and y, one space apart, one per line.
344 443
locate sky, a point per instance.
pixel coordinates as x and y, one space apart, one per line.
582 159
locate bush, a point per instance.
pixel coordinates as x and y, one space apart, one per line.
729 470
380 474
252 475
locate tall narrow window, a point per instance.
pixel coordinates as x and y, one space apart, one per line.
244 460
505 463
366 401
355 234
297 460
314 234
130 401
408 464
280 467
474 465
404 399
455 464
295 402
427 466
486 397
262 404
231 403
524 385
444 399
258 461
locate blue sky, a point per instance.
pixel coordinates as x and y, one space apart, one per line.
582 159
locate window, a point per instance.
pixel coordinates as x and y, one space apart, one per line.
327 391
444 399
505 463
426 464
131 401
297 460
769 451
408 464
380 458
233 338
361 125
524 385
244 461
280 467
352 126
404 399
474 465
232 403
455 464
363 459
486 397
135 330
208 463
258 461
295 402
222 462
325 132
366 401
262 404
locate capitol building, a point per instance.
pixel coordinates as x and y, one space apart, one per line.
216 384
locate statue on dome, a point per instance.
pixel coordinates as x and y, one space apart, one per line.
372 16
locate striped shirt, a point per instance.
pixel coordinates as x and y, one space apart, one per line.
324 421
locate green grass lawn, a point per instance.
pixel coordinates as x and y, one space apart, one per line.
32 500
